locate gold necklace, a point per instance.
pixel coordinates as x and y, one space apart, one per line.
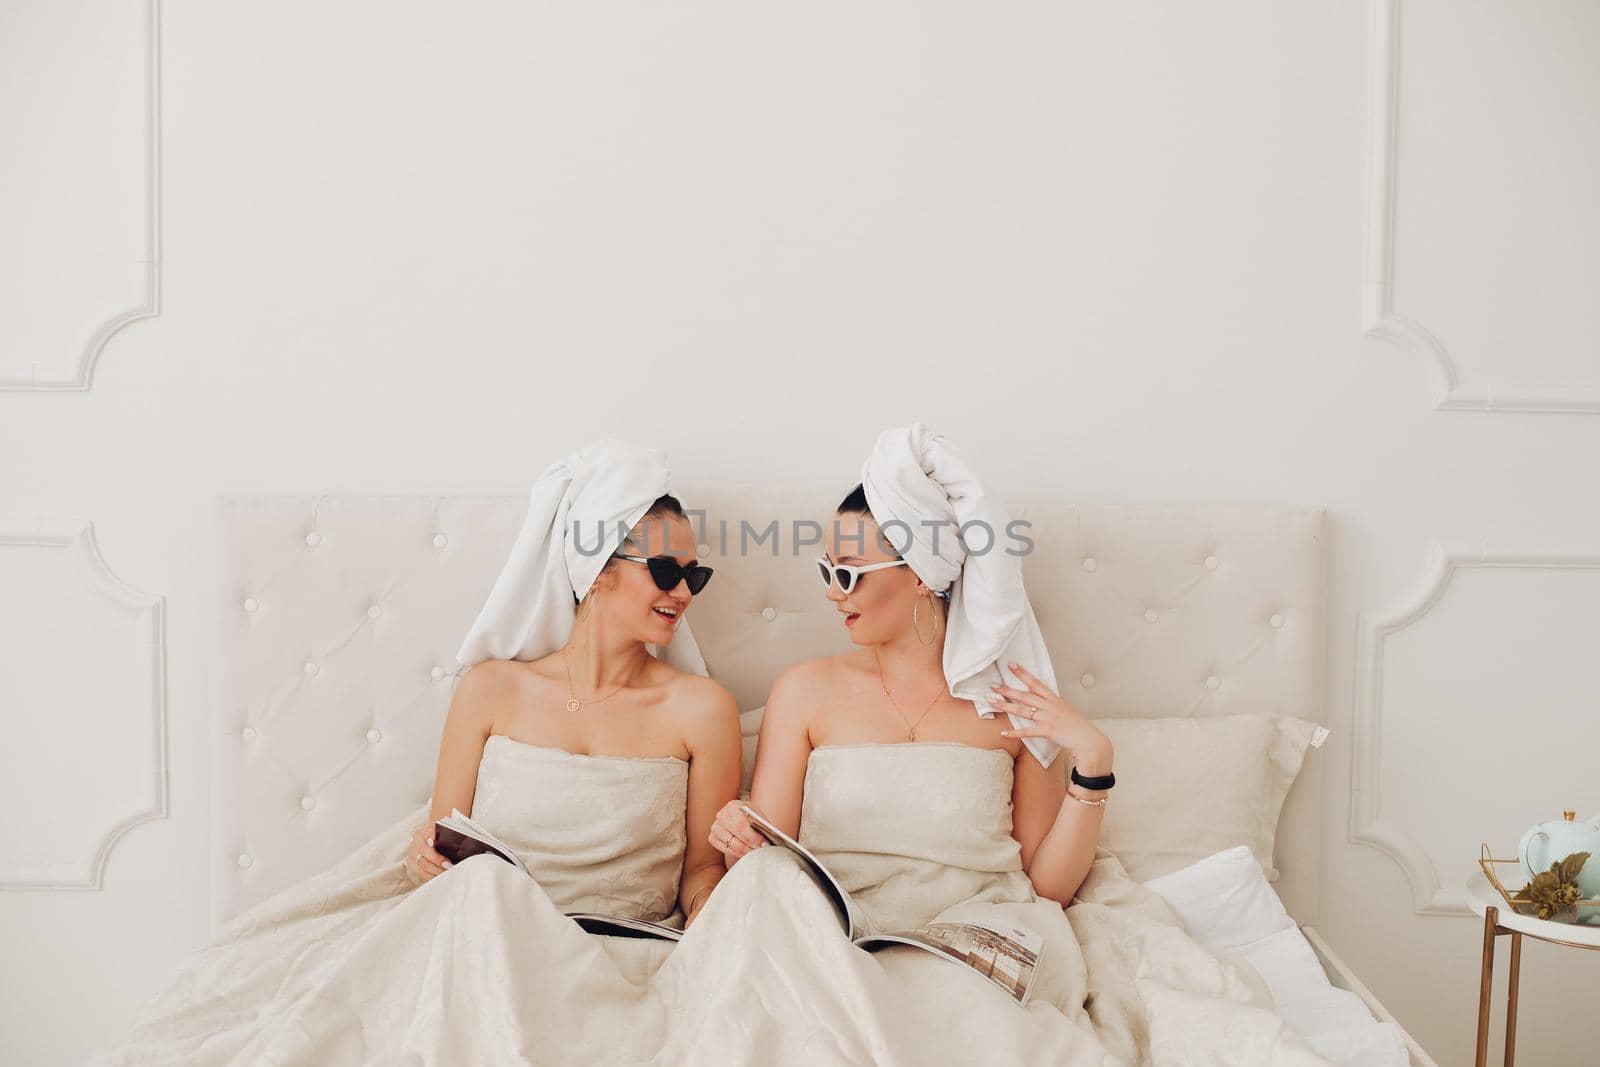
572 703
911 734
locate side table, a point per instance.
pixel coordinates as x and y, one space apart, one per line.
1499 919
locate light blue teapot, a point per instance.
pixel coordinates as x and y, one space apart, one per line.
1560 838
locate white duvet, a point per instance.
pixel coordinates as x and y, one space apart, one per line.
480 966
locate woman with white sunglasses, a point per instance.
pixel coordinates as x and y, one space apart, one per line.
895 689
893 764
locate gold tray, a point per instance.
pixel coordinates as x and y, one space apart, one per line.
1582 911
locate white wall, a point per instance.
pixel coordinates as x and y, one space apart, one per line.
1131 250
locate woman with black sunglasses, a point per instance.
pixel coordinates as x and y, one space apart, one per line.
586 737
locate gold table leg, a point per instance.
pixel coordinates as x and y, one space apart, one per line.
1511 999
1491 916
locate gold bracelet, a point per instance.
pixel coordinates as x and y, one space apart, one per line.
1091 803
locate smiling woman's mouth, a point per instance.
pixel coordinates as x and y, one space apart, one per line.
667 613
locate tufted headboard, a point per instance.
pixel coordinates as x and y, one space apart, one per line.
341 616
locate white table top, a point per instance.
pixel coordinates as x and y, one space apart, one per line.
1481 895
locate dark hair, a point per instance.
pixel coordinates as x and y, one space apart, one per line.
665 504
854 501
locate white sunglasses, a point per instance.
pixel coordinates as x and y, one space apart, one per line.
846 575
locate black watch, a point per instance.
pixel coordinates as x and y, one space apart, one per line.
1103 781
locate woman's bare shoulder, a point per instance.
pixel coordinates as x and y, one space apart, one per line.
811 682
506 676
488 678
827 668
496 687
686 691
695 690
704 711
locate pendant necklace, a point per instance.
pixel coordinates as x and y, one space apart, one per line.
573 704
911 734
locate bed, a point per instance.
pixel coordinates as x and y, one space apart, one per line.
340 616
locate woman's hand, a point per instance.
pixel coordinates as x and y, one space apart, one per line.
1052 717
731 833
422 862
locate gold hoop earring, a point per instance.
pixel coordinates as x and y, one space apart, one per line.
915 603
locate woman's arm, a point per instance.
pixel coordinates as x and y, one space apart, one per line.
1057 830
715 766
784 748
782 751
1065 851
467 726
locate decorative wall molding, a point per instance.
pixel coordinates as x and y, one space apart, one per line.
1367 823
149 267
1381 319
146 694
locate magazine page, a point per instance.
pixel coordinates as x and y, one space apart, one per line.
851 917
1004 953
623 926
456 837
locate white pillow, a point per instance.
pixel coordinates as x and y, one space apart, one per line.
1226 904
1189 787
1335 1022
1224 901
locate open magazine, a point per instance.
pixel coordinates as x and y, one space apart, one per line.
456 837
1004 953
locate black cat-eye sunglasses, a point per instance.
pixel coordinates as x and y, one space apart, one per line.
668 572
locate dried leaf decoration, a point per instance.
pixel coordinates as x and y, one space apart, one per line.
1556 889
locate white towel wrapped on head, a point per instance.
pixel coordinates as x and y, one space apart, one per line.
922 493
580 510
